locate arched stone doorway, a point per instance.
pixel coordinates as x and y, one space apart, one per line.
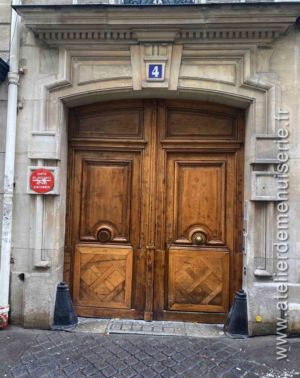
223 60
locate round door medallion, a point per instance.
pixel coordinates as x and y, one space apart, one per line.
104 235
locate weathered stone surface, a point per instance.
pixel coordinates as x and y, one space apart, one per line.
38 300
215 71
5 34
5 11
103 71
256 71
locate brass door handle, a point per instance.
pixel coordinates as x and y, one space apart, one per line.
199 238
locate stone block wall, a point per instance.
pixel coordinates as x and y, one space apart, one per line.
5 16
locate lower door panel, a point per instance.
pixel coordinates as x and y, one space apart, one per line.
198 280
103 276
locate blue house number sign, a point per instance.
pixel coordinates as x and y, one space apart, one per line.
155 71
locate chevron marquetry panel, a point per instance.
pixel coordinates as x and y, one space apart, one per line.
103 276
198 281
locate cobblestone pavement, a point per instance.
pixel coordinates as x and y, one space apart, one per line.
28 353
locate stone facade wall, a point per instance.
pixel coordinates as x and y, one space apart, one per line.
5 17
284 61
258 71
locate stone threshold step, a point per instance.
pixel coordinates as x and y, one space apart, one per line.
154 328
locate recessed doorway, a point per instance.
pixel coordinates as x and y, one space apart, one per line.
154 219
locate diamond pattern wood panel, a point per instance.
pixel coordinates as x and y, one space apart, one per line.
103 276
198 281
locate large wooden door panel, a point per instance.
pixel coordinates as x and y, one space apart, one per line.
197 124
114 121
108 189
199 198
107 192
154 209
108 198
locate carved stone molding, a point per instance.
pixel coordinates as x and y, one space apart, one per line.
264 186
201 24
230 34
266 149
58 37
227 34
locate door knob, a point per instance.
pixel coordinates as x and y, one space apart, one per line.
104 235
199 238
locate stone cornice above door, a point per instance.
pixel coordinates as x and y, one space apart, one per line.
254 24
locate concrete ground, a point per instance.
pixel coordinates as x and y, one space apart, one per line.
34 353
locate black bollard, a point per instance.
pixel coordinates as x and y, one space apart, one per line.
236 324
64 314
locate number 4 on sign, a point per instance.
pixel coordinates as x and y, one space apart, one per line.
155 72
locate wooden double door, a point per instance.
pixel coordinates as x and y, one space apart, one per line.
154 220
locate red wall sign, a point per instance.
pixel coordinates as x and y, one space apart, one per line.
41 180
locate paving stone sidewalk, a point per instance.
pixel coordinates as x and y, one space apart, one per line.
31 353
